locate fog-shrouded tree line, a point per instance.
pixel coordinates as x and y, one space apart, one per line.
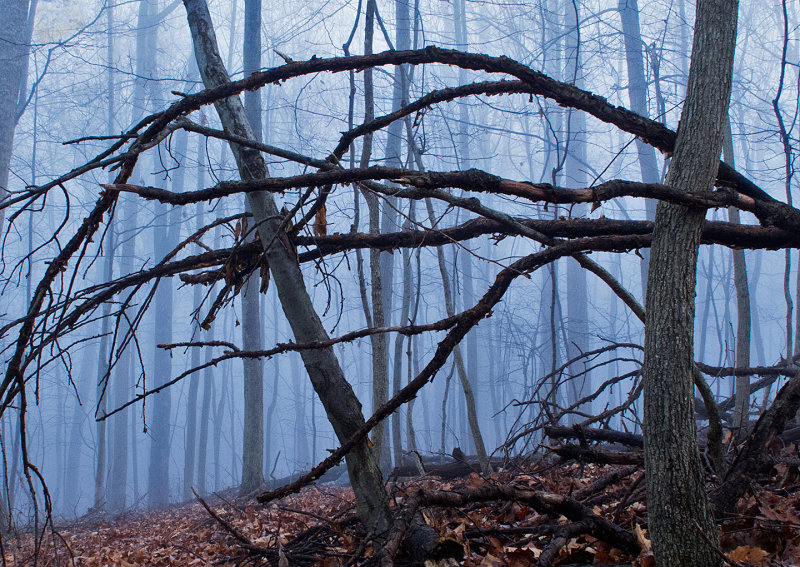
243 241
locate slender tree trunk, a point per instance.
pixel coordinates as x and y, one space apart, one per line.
108 271
577 326
190 436
741 409
394 156
208 377
788 168
469 397
253 437
219 416
680 521
336 394
637 94
380 378
273 404
299 400
72 470
121 377
160 429
464 158
397 380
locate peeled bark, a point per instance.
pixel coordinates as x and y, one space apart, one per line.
680 520
336 394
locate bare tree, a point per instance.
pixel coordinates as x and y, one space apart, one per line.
14 49
336 394
253 434
680 518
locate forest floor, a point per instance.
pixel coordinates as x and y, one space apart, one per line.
317 526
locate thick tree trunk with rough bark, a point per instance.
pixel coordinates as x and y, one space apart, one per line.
680 521
336 394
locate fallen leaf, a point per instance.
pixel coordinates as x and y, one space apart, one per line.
747 553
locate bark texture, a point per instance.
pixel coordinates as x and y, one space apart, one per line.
253 435
13 56
680 520
336 394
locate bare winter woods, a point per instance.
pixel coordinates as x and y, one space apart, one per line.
250 248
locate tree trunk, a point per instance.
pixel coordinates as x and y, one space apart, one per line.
464 158
380 379
577 326
336 394
13 55
208 377
253 437
469 397
680 520
160 427
101 403
121 378
741 409
394 139
190 436
301 460
637 94
166 233
397 379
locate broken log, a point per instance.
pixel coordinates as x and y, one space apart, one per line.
446 471
593 434
597 455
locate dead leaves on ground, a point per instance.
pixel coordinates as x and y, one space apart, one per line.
501 534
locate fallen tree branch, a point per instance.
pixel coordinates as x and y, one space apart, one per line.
753 456
598 455
583 520
465 321
243 540
594 434
769 213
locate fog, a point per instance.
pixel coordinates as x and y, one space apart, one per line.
96 69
